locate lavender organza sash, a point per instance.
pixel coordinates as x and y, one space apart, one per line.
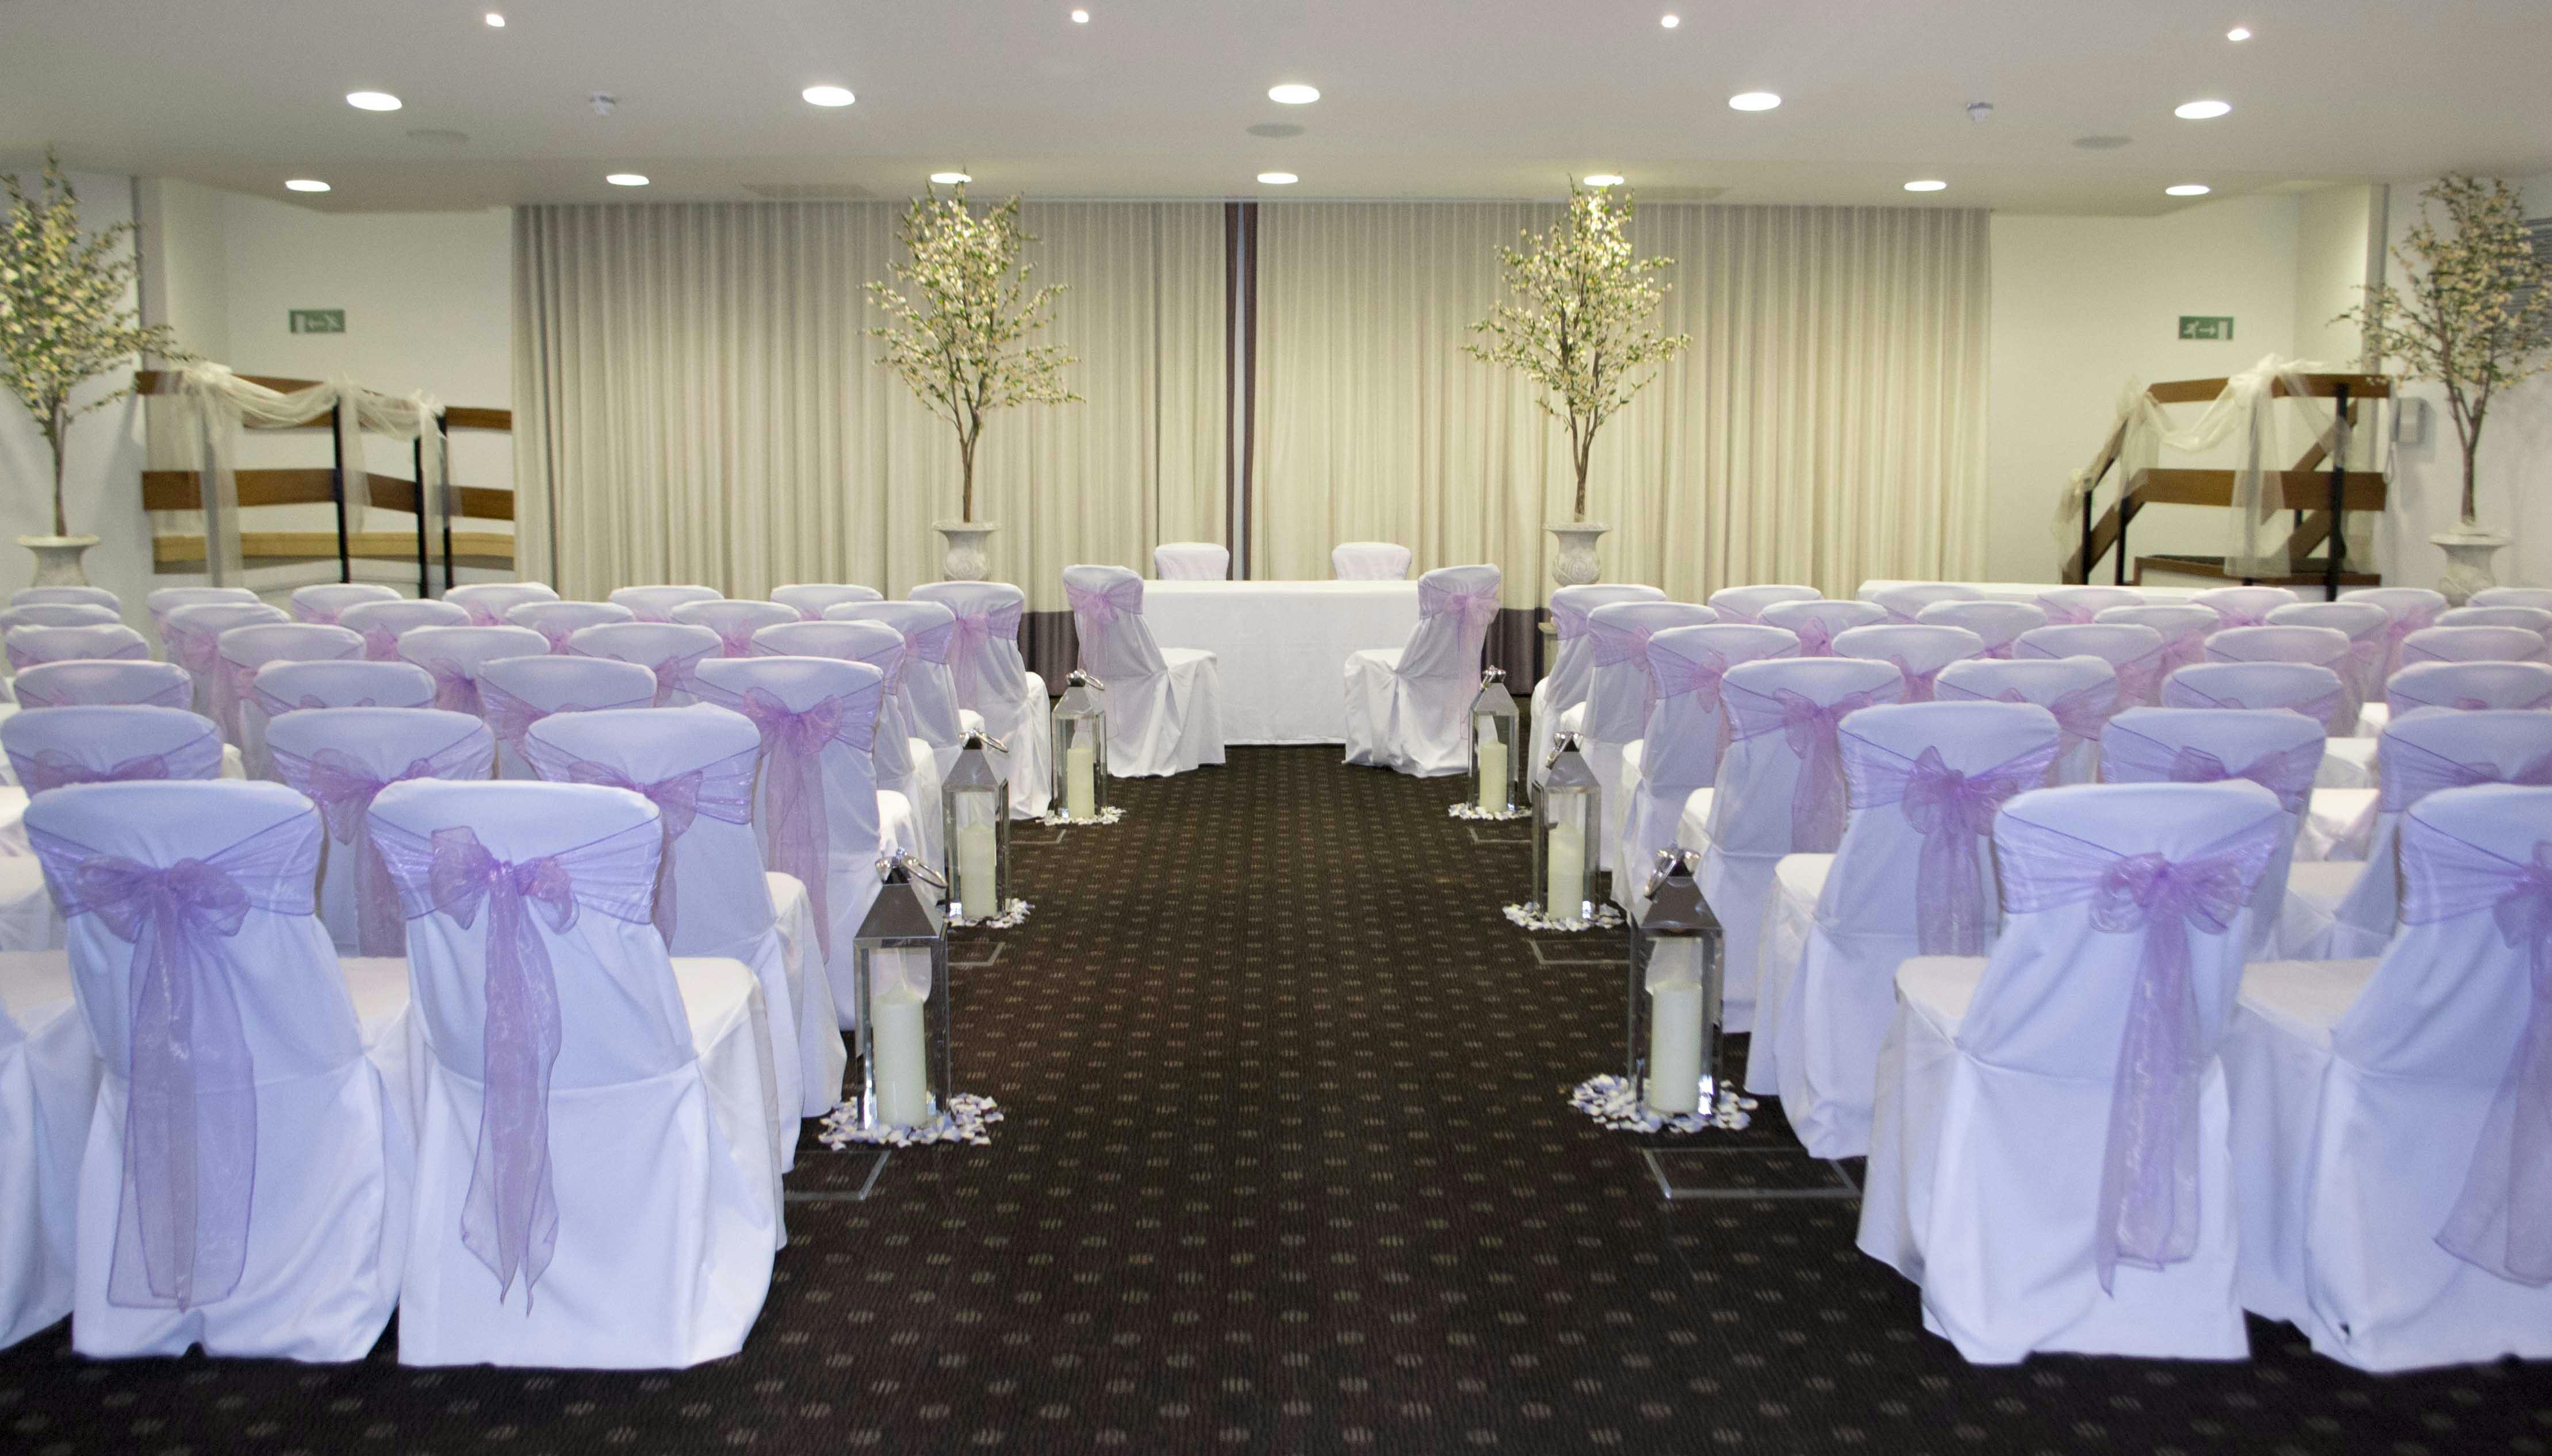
1098 609
510 717
2502 1222
1954 812
674 674
2182 648
344 788
1615 646
1921 683
1816 637
381 645
1809 729
2148 1208
2229 617
2401 701
199 757
1568 623
2178 693
2129 756
193 651
2139 679
509 1217
2084 713
797 833
171 696
1476 607
456 685
2412 774
970 642
21 659
190 1113
2064 614
723 790
931 644
2417 618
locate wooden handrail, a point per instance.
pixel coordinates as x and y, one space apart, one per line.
455 416
183 490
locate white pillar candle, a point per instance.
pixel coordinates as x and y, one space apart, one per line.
974 879
1674 1025
899 1052
1080 776
1566 865
1492 775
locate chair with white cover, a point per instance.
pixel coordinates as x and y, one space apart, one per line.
1368 560
2368 627
559 620
2277 751
2320 647
96 642
324 602
713 897
2343 802
924 690
818 808
597 1116
2413 609
455 656
1164 705
1677 757
2387 1125
59 615
48 1075
101 683
2532 619
812 598
1997 624
283 687
2184 628
992 680
2048 1153
1742 606
905 763
2429 645
2075 606
165 599
489 603
1904 605
2468 686
233 1061
516 693
244 652
2538 598
657 603
1913 875
2082 691
340 759
1780 791
85 595
670 649
1191 560
1572 662
1409 708
60 747
2244 606
1622 691
735 622
2134 652
383 623
1916 650
1816 623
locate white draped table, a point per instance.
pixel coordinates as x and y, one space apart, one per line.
1283 646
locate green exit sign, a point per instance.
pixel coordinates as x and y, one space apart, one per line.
333 321
2201 326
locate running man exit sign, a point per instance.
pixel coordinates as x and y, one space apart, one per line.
2201 326
333 321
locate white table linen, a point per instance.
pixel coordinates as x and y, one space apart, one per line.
1282 646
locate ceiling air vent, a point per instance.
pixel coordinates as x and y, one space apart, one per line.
809 191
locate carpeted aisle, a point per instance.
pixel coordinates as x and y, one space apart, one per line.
1288 1166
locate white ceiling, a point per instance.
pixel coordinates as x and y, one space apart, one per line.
1421 98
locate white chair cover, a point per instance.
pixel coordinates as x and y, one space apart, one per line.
810 599
713 897
167 599
89 681
1816 622
1997 624
2277 751
1916 650
1409 708
2082 691
2389 1135
489 603
2411 608
383 623
1780 791
340 759
2530 619
559 620
1368 560
90 596
596 1124
905 763
1687 731
1913 875
670 649
456 655
2184 628
2075 606
97 641
2468 685
1743 605
2368 629
2538 598
1164 707
2432 645
1191 560
2133 651
60 747
1904 605
1621 690
325 602
234 1061
2244 606
516 693
2048 1152
1572 662
993 682
283 688
244 652
657 603
59 615
48 1075
2320 647
2304 687
735 622
191 632
926 690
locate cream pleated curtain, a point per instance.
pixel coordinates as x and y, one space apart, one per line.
1826 425
696 400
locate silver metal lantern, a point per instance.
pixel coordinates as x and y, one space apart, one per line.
974 809
1081 749
1568 835
1495 783
899 978
1677 981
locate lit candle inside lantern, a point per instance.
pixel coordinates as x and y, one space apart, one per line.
975 880
1674 1025
1567 859
1493 773
1080 776
898 1058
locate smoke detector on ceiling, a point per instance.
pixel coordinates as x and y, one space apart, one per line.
603 101
1980 111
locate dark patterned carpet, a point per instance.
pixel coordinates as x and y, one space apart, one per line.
1288 1168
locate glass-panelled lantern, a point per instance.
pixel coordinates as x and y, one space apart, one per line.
1081 749
1496 784
900 975
975 801
1568 835
1678 980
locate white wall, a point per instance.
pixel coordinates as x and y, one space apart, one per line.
2336 229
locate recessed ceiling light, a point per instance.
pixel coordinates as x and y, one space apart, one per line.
1927 185
306 184
2200 110
371 100
1081 17
627 179
2189 189
495 21
950 179
828 95
1603 180
1669 20
2238 34
1753 101
1279 179
1294 93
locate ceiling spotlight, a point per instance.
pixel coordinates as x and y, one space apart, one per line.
1081 17
627 179
1753 101
2200 110
828 95
371 100
1603 180
495 21
1928 184
1294 93
2189 189
2238 34
306 184
1669 20
1278 179
950 179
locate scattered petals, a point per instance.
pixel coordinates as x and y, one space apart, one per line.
968 1119
1529 915
1064 820
1013 912
1614 1102
1474 812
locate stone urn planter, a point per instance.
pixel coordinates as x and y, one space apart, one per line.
58 559
968 556
2469 548
1575 564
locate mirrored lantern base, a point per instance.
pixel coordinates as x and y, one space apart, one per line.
968 1118
1616 1102
1531 916
1065 819
1014 913
1474 812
